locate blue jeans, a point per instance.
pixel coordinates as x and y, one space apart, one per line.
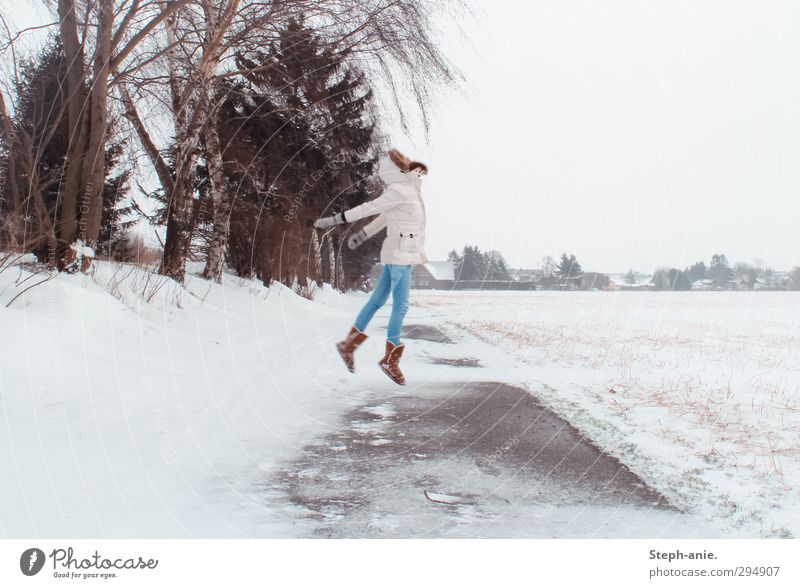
395 279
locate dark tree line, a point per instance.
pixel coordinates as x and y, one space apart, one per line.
298 139
256 117
721 276
474 264
671 279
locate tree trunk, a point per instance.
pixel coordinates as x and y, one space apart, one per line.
91 207
340 281
180 224
221 199
188 125
66 224
192 103
315 245
332 262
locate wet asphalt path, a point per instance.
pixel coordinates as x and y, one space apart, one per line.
513 468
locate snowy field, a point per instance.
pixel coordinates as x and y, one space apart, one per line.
130 407
698 392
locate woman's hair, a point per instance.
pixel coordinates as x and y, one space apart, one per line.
399 159
404 163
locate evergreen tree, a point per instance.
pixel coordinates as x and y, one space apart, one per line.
671 279
496 267
794 278
301 144
35 163
660 279
40 149
457 263
568 267
118 216
681 281
720 271
697 271
474 264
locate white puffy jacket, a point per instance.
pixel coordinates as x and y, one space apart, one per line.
400 209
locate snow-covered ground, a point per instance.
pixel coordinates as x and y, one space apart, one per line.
148 411
698 392
131 407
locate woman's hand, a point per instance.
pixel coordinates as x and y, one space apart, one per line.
328 221
357 239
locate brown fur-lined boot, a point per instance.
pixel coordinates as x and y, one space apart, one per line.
391 360
348 347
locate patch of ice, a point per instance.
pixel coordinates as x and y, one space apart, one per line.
382 410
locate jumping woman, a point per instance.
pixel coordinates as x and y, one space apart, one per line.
400 209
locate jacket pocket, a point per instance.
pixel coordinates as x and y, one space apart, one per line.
409 242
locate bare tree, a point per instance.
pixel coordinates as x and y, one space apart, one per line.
203 39
110 30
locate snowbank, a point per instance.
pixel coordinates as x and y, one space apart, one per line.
132 406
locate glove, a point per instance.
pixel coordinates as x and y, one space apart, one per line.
328 221
356 240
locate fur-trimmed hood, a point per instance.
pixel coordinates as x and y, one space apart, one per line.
393 169
389 171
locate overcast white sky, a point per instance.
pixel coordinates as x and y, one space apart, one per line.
633 134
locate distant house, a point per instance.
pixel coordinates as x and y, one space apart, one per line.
549 283
706 284
622 279
637 287
434 275
570 283
594 281
526 275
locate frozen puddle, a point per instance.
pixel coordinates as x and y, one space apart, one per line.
508 467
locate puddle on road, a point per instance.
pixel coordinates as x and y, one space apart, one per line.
456 362
521 471
425 333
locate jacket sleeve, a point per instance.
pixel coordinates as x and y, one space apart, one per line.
375 225
389 199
